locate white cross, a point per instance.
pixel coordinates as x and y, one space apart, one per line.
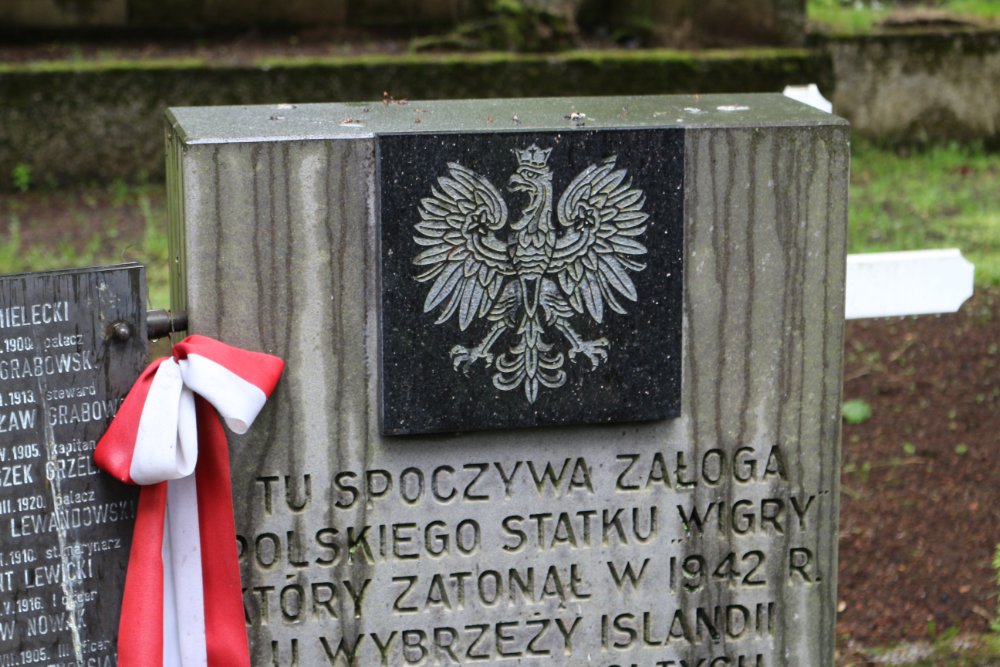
917 282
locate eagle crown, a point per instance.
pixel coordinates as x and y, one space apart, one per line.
533 157
534 177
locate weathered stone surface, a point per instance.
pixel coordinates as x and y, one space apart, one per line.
521 544
65 528
918 87
715 23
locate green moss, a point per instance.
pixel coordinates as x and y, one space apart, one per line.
101 120
510 25
416 59
108 65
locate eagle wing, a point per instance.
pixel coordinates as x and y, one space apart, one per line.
463 259
602 216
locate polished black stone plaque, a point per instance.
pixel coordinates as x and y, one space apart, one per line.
530 278
72 343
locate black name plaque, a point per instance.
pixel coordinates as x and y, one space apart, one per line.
71 345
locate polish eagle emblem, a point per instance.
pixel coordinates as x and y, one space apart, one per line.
529 278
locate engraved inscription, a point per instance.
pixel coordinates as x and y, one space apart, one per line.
532 558
65 531
529 277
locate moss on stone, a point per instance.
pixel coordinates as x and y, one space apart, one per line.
102 120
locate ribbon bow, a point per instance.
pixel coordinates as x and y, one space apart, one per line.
183 601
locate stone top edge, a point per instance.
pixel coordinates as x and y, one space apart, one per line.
79 270
364 120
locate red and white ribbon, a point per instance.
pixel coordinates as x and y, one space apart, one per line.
183 602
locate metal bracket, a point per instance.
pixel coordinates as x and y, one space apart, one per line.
160 323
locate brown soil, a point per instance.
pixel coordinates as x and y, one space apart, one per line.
920 502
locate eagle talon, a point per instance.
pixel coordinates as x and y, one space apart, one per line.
468 356
595 350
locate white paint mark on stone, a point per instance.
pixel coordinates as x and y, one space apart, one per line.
67 584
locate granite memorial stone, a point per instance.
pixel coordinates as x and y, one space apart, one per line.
563 375
71 345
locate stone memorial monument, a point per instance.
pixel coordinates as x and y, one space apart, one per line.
71 344
563 375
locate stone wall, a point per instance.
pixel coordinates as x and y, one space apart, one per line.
715 23
919 87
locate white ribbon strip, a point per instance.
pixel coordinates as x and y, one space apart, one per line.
237 400
166 445
182 557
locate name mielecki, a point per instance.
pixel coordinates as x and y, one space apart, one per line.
36 314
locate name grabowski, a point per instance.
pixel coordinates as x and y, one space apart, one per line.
19 368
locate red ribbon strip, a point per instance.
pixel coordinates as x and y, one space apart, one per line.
235 390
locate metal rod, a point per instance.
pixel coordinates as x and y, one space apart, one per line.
160 323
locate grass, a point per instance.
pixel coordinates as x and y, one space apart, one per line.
940 197
837 17
947 650
861 16
94 226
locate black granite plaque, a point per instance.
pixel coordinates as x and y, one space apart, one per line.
71 345
530 278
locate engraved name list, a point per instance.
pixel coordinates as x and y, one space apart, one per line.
65 529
